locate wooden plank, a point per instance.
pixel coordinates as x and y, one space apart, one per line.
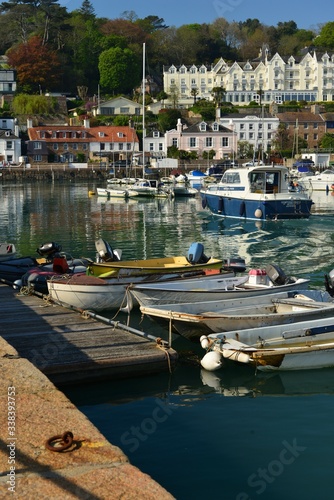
67 346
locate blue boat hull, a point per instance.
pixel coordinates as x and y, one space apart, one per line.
239 208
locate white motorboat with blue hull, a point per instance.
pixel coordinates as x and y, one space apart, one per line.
258 193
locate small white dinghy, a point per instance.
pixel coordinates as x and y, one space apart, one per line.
302 346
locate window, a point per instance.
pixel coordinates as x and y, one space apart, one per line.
111 146
225 142
55 146
128 146
75 146
192 142
85 146
120 146
102 146
65 146
208 142
151 146
161 146
315 137
174 142
124 111
37 157
37 145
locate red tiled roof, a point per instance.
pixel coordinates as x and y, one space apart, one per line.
93 134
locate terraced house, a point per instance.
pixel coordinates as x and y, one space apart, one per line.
80 143
309 77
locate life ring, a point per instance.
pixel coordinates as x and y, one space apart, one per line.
204 202
242 210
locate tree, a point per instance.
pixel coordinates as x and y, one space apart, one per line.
218 94
327 141
325 39
168 118
194 93
119 70
36 65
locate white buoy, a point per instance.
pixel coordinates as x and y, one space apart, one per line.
212 361
239 356
258 213
204 341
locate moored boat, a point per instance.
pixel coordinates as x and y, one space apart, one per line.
306 345
323 181
257 282
90 292
194 261
258 193
191 320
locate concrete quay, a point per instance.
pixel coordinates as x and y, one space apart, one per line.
32 411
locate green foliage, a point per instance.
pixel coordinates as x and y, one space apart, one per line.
325 39
327 141
24 104
167 120
119 70
173 152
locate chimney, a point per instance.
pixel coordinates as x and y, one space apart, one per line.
29 123
179 125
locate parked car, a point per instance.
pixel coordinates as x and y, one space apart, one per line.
304 162
252 163
121 163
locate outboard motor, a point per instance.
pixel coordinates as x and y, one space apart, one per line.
237 265
105 253
276 275
329 283
48 249
196 254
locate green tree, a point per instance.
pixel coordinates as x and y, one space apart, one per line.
167 119
119 70
327 141
325 39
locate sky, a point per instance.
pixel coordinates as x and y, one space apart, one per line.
306 14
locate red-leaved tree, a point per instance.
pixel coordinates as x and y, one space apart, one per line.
37 65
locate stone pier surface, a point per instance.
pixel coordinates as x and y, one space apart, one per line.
32 411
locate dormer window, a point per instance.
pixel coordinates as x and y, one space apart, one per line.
120 134
101 134
156 134
215 127
202 127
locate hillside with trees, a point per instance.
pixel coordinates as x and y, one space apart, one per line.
56 50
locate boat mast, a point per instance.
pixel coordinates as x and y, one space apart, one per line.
143 109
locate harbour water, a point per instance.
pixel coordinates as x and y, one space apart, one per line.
232 434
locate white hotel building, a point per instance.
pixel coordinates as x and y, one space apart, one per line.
309 78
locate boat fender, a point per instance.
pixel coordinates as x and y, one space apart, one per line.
239 356
204 202
212 361
204 341
242 210
258 213
220 205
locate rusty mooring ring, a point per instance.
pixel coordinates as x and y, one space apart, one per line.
62 442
